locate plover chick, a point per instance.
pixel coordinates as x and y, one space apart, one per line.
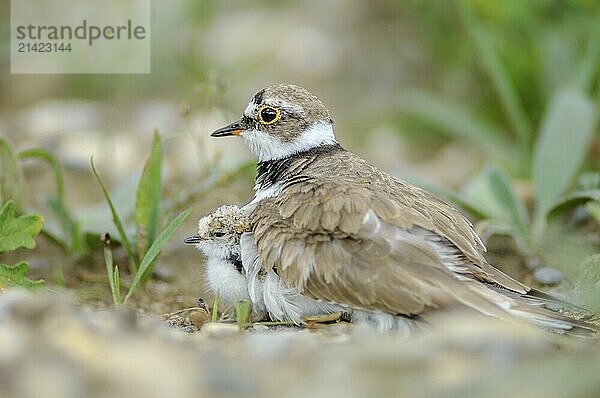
218 238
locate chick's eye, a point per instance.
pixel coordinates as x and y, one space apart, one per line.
219 234
268 115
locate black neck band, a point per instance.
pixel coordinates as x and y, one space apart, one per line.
271 171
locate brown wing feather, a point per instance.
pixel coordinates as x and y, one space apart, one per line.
338 189
354 267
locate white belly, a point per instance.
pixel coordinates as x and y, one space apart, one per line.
222 277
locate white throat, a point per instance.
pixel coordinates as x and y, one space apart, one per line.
267 147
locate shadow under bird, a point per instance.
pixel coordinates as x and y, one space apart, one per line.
341 231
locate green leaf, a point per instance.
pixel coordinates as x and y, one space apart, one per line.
594 209
501 81
456 120
16 275
112 271
565 133
18 232
11 175
154 250
494 192
573 199
147 200
117 221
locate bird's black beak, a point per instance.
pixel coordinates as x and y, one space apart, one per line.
192 240
234 128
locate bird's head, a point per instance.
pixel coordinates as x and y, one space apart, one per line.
282 120
219 232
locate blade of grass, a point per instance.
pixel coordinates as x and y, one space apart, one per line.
501 81
215 308
11 175
117 284
117 221
242 313
154 250
110 269
147 201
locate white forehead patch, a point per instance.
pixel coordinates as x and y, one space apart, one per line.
250 109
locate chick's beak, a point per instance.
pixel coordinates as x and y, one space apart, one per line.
192 240
235 128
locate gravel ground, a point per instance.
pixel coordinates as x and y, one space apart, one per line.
51 346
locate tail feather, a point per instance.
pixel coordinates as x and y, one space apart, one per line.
556 321
542 310
549 312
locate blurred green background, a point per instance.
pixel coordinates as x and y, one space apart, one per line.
491 104
379 67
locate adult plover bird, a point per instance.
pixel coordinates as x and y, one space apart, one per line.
218 238
340 230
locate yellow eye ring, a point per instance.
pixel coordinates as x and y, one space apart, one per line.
268 115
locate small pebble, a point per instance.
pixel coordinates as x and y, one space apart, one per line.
216 329
548 276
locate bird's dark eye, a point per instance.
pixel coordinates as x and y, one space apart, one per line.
268 115
219 234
